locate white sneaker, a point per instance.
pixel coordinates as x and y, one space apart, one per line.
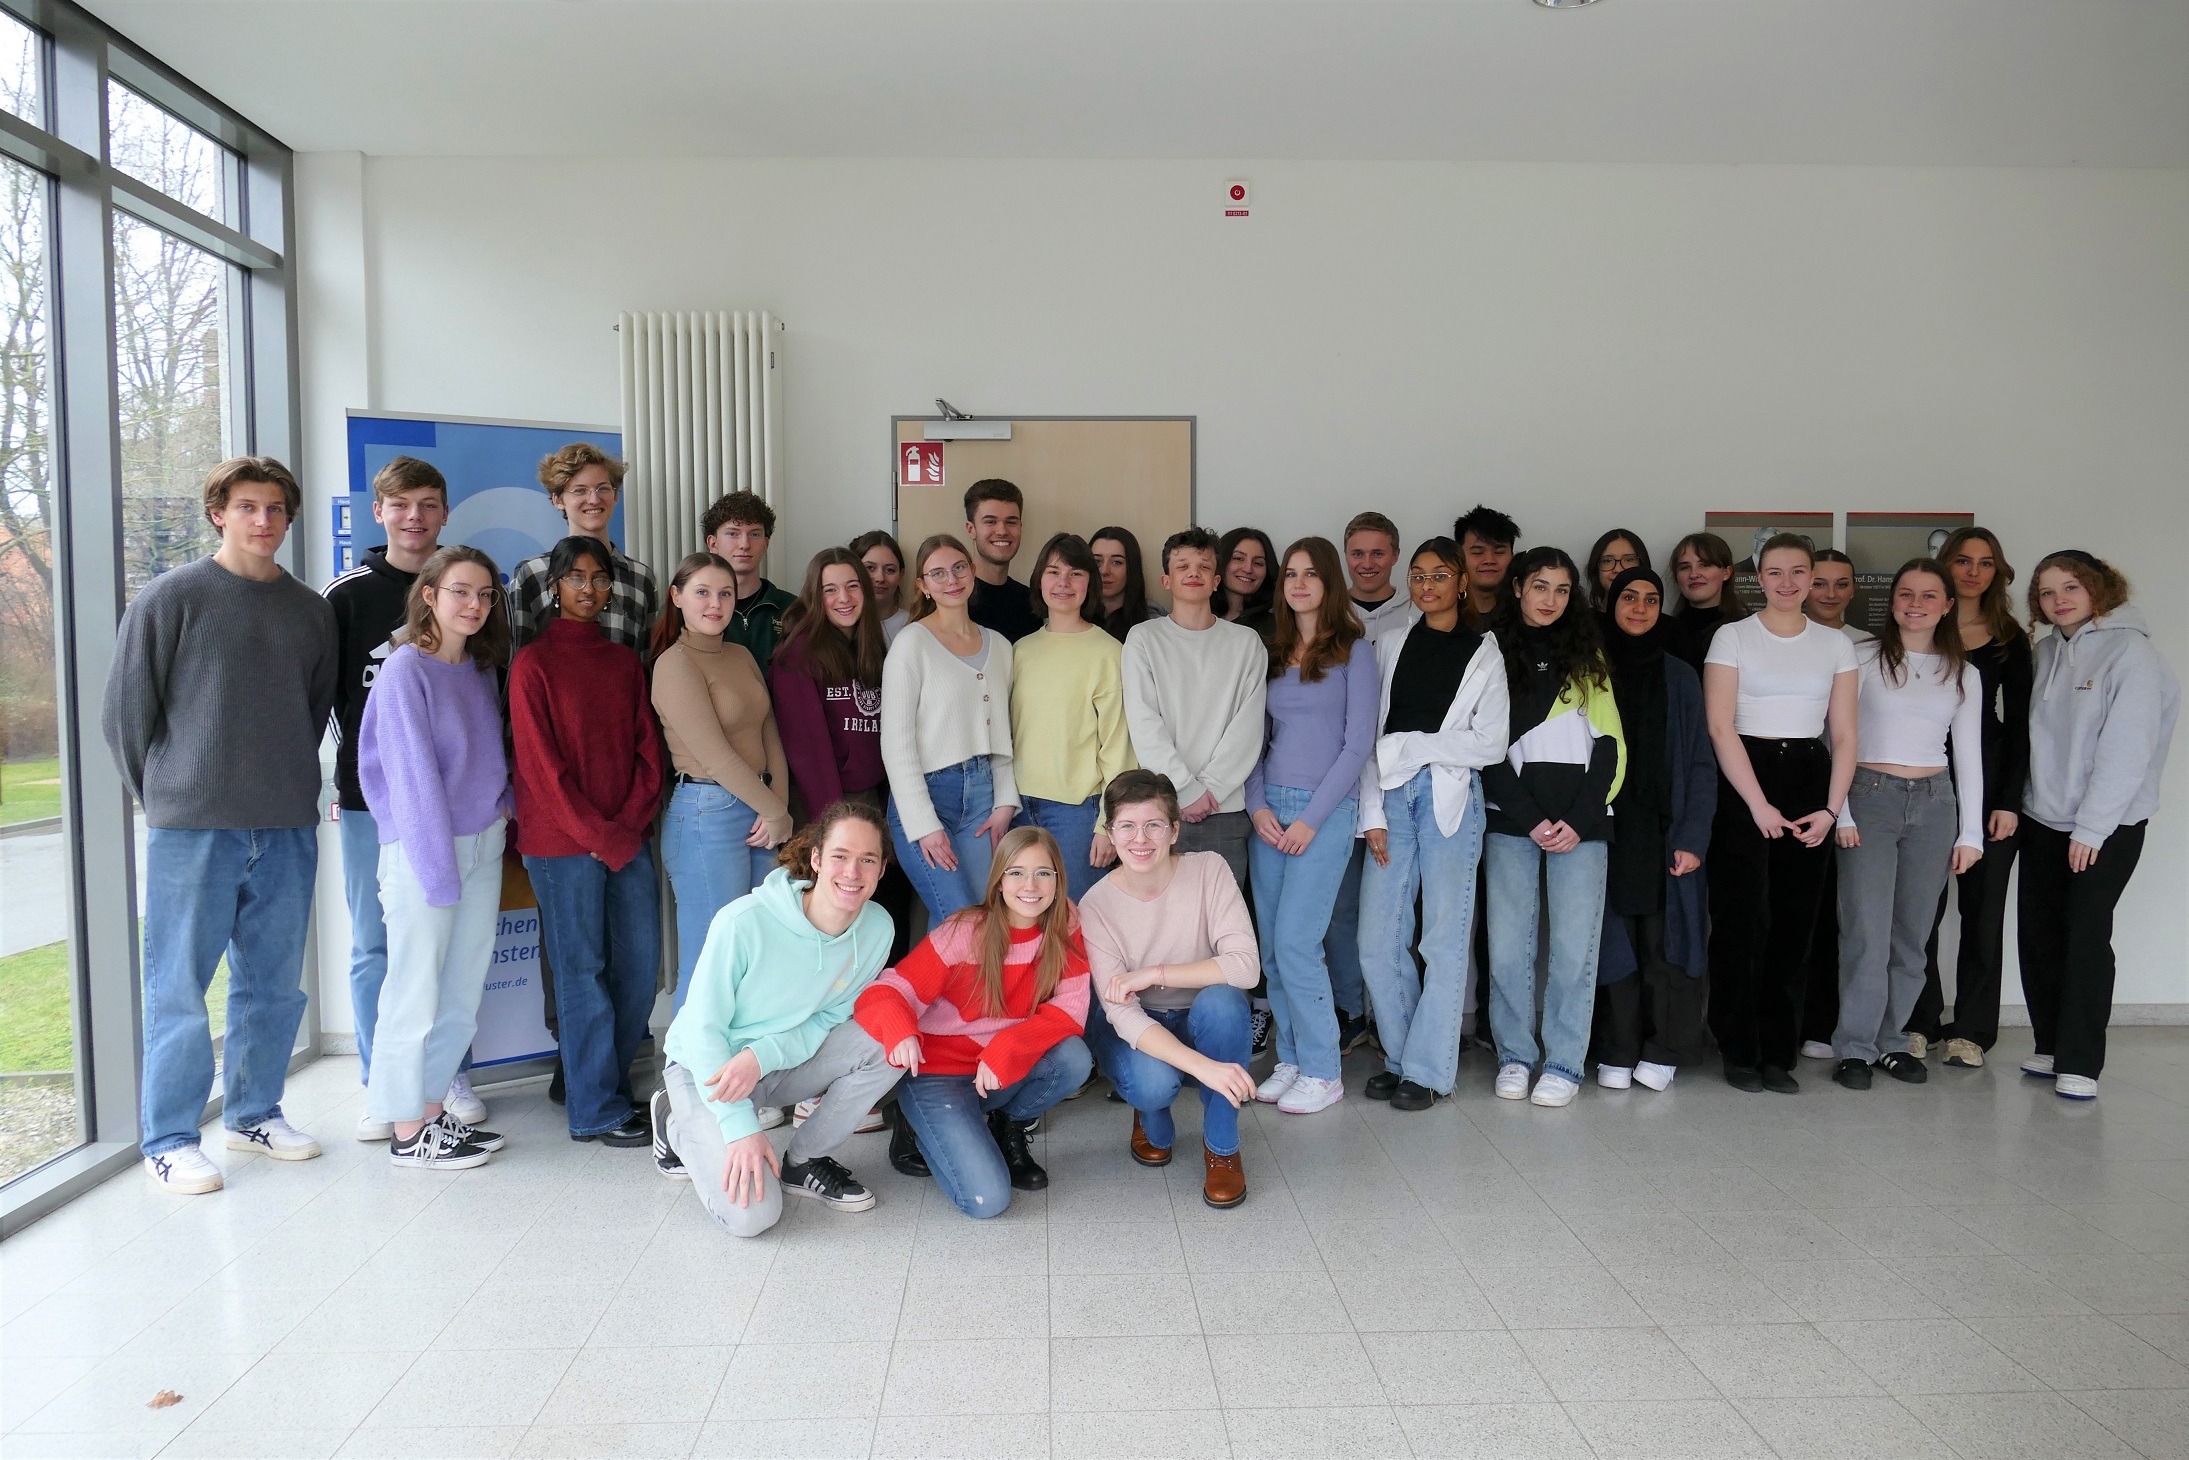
1815 1049
369 1129
462 1102
274 1137
186 1170
873 1120
1553 1091
770 1116
1656 1077
1512 1082
1309 1095
1613 1077
803 1111
2075 1087
1281 1079
2039 1065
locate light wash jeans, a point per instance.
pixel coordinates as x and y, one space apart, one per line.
601 931
710 866
1519 871
368 927
1219 1024
952 1123
1342 944
1888 895
1293 897
1072 823
247 894
1419 1022
438 959
963 795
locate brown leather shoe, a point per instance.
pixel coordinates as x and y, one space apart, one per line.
1226 1182
1145 1151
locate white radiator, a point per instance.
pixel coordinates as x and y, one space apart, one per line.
702 415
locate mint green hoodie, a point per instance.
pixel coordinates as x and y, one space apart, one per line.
771 982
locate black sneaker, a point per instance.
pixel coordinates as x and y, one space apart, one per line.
1410 1096
827 1183
633 1132
1381 1085
904 1148
1778 1082
1904 1067
1352 1031
1010 1137
1263 1021
555 1083
434 1148
1854 1074
1743 1077
666 1160
485 1140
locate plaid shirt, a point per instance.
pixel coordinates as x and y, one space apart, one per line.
633 603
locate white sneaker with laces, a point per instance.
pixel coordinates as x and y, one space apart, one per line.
463 1102
1281 1079
1615 1077
2075 1087
803 1111
1553 1091
1309 1095
274 1137
1656 1077
1512 1082
186 1170
2039 1065
770 1116
1815 1049
369 1129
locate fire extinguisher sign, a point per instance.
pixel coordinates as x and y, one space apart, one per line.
919 464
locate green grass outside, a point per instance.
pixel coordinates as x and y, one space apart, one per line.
30 790
36 1030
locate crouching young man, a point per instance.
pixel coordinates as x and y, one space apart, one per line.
767 1021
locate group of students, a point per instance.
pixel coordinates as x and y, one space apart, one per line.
1142 840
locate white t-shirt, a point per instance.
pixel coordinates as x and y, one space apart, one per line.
1786 684
1911 722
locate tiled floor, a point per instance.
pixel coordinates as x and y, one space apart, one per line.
1973 1268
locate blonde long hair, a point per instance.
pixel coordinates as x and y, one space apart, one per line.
990 926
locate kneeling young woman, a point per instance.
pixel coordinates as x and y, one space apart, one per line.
984 1018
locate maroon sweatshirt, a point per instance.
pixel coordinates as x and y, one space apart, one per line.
832 733
589 754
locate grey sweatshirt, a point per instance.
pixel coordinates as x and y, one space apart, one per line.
2100 721
219 693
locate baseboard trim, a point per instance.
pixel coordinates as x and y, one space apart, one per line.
2162 1016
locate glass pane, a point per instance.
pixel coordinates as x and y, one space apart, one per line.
171 313
38 1072
156 147
22 66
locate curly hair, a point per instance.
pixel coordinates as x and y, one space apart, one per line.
558 467
2106 584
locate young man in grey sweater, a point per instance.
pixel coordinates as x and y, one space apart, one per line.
224 674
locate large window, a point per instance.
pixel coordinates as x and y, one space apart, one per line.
144 336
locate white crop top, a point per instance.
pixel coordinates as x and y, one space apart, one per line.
1786 684
1908 724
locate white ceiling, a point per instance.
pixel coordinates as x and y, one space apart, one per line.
1956 82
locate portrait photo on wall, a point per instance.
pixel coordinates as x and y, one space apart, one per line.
1879 542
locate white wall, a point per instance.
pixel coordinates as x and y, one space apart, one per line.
1578 344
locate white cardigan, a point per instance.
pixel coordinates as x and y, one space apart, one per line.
1474 734
938 711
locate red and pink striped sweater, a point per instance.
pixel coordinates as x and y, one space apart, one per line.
936 994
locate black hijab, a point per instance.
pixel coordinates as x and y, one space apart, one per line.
1638 684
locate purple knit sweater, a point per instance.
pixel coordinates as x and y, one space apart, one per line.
431 762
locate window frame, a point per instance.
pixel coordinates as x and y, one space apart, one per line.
84 193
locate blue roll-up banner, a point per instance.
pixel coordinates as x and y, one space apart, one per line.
496 504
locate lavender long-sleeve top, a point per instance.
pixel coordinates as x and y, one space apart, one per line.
1319 734
431 762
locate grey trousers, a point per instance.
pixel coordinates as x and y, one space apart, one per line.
1888 893
848 1072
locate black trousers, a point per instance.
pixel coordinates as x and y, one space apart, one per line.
1820 1003
2066 923
1654 1013
1764 895
1982 893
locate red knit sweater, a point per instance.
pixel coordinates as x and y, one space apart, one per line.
589 756
936 994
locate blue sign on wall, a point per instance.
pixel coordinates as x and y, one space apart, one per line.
496 503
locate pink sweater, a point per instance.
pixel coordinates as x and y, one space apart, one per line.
1200 915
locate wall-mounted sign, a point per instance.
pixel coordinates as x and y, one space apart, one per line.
1879 542
919 464
1745 532
1236 201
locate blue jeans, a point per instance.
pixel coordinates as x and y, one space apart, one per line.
952 1124
602 932
709 865
438 958
247 894
1293 898
964 796
368 928
1072 823
1342 944
1219 1025
1518 870
1419 1023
